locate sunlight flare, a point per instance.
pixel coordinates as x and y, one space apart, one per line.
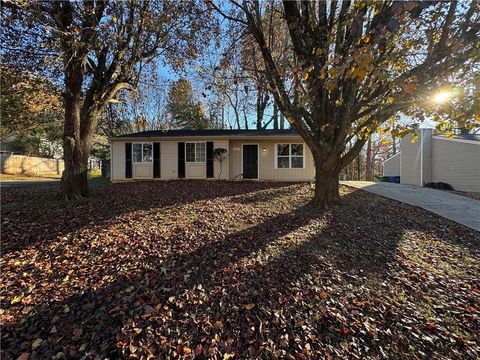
442 97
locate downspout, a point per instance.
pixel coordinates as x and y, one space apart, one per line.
421 157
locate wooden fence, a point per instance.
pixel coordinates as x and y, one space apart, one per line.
29 165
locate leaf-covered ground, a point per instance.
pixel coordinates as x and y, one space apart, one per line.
228 270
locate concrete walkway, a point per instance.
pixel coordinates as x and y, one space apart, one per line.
460 209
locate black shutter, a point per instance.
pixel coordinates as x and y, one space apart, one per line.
156 160
128 160
181 160
209 159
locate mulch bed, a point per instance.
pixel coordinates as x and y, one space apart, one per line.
226 270
472 195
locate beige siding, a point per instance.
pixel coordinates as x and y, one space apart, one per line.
231 166
391 166
410 162
195 170
222 173
456 163
266 166
142 171
168 160
117 170
426 153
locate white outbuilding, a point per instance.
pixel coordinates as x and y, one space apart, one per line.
437 158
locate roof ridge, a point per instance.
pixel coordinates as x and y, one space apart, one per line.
209 132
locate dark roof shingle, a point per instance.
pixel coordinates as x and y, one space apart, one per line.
209 132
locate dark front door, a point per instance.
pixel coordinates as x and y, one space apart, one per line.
250 161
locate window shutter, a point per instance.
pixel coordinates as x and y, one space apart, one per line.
128 160
181 160
210 159
156 160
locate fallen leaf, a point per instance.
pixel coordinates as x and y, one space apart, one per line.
219 324
24 356
16 300
37 343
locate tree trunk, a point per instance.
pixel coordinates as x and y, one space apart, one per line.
74 178
282 121
327 193
259 113
359 168
275 115
369 162
75 151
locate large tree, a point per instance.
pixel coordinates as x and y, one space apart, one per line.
358 63
102 47
186 112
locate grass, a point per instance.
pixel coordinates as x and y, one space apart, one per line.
34 182
25 198
28 177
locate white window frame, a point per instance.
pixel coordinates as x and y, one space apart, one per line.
142 162
289 156
195 152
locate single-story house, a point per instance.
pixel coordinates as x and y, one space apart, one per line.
437 158
270 155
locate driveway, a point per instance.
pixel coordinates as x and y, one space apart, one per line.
460 209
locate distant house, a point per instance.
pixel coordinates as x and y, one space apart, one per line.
31 146
273 155
437 158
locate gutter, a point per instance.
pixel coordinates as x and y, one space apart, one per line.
206 137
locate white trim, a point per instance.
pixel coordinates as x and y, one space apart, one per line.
205 152
258 161
141 143
456 139
275 160
288 137
111 160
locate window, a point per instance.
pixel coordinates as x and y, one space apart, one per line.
195 152
142 152
147 152
289 156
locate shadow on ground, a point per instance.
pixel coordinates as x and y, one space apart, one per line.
252 291
43 213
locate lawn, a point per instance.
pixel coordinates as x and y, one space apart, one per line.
26 182
228 270
26 177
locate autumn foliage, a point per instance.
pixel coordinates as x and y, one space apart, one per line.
222 270
355 66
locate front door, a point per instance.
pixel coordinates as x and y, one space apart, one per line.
250 161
